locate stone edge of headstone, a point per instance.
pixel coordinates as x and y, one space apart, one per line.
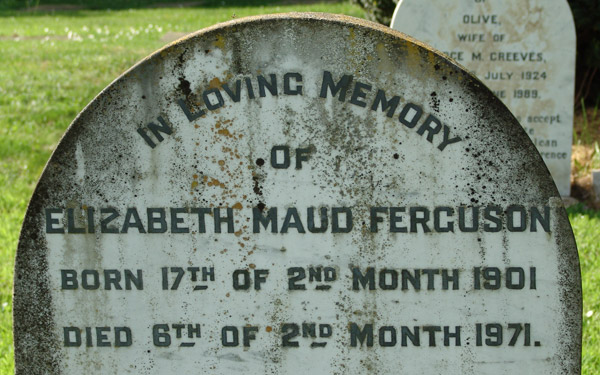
572 36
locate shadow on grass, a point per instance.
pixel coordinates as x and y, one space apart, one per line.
581 209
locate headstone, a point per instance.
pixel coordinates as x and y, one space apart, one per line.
524 50
290 194
596 183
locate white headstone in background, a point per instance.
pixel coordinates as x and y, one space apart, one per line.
523 50
293 194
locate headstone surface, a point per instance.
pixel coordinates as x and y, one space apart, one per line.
291 194
524 50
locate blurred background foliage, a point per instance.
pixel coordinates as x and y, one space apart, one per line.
587 24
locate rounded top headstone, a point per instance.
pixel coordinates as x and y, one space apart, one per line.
296 193
524 50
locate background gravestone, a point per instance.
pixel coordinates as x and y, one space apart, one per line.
290 194
523 50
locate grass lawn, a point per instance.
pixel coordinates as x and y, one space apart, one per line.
53 64
586 226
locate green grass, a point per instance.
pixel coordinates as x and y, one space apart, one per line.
61 60
586 225
127 4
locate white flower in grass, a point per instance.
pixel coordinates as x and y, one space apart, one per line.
589 314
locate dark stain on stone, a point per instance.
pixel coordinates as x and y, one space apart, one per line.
184 85
256 187
435 101
181 58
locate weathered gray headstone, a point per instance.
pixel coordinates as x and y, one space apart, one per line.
524 50
291 194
